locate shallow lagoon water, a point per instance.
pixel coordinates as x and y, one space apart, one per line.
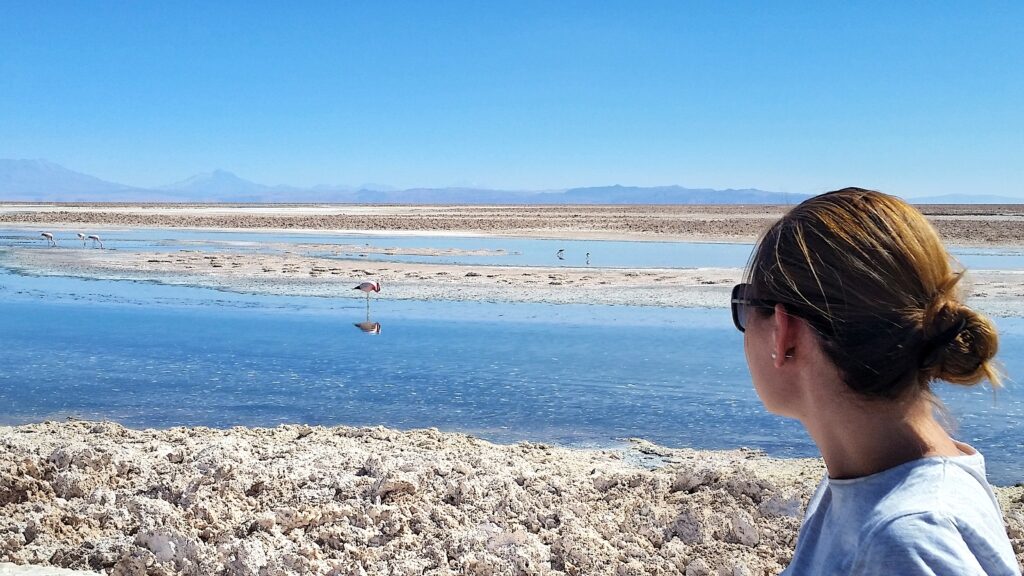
152 355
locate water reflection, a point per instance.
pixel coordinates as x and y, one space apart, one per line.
173 356
368 327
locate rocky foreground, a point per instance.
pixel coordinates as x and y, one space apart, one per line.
347 501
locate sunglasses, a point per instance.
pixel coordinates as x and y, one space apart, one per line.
742 303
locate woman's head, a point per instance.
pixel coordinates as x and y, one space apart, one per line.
869 275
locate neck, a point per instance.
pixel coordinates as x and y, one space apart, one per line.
859 437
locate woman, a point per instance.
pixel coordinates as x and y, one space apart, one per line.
850 312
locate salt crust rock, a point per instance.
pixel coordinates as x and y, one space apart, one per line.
9 569
367 501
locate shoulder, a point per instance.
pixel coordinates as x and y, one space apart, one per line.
938 496
940 518
916 543
933 543
950 487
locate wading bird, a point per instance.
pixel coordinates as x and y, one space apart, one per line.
95 240
49 238
368 287
82 238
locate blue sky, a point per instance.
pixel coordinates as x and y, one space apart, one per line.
912 98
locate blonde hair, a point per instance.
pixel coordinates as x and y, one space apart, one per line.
870 275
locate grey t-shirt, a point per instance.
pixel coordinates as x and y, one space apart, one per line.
935 515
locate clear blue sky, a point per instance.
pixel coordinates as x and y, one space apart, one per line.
912 98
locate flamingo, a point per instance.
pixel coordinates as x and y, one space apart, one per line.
82 238
95 240
49 238
368 287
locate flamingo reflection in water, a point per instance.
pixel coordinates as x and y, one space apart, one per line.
368 327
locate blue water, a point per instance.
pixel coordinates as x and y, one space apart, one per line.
513 251
153 355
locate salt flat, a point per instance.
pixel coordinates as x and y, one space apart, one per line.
959 224
297 499
346 501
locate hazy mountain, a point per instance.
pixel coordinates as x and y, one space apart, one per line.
39 180
966 199
377 187
218 184
667 195
42 181
444 196
224 186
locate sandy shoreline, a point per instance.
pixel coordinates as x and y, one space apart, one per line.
305 270
293 273
300 500
298 275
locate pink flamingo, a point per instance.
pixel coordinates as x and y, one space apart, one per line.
82 238
368 287
95 240
49 238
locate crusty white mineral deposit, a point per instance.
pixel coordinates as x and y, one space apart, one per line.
346 501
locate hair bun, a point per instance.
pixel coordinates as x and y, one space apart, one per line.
960 345
870 277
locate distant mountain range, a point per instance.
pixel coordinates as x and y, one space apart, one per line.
43 181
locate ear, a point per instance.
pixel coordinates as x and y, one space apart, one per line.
785 333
